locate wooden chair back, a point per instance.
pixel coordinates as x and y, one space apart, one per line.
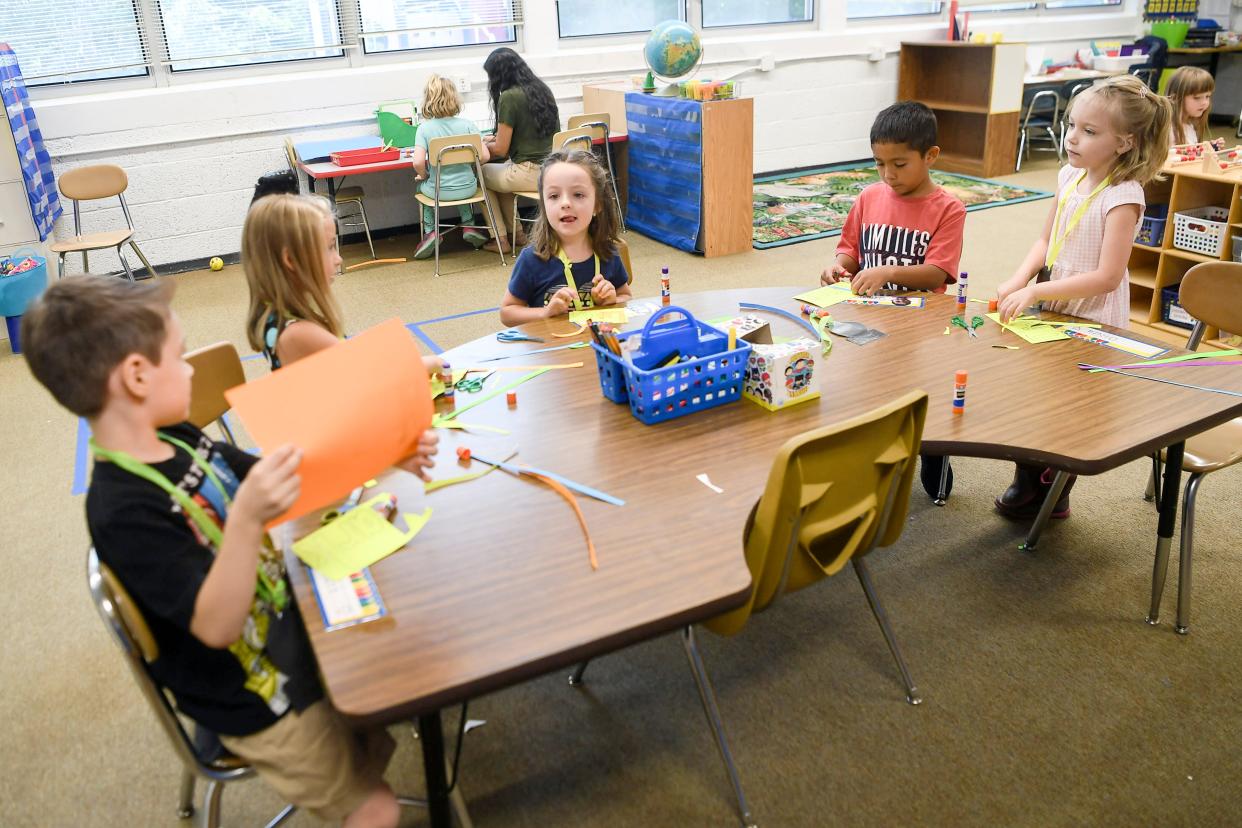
95 181
217 368
623 250
579 138
1212 293
455 149
600 123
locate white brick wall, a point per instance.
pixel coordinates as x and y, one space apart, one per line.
193 150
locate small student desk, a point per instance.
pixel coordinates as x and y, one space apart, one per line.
496 589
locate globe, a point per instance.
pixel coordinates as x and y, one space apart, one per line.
673 49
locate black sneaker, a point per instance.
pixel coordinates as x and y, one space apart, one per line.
930 467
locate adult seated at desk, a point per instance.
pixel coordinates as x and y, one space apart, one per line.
526 119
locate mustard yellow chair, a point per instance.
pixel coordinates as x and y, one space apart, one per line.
600 124
623 250
217 368
833 495
89 184
201 754
579 138
1211 292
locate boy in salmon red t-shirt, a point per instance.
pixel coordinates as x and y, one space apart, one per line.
903 231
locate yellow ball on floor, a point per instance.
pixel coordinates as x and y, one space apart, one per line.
216 263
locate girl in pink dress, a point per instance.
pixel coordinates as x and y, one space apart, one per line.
1118 140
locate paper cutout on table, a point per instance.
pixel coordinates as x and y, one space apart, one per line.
495 392
354 409
370 483
1030 329
1116 341
578 330
706 481
1170 360
356 539
887 301
828 295
613 316
351 600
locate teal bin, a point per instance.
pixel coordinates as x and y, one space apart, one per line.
17 292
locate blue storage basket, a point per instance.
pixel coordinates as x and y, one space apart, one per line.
1151 230
707 375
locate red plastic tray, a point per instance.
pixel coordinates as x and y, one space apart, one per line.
370 155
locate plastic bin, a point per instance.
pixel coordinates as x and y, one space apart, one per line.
1201 230
707 375
397 130
370 155
1151 230
1237 248
1173 313
17 291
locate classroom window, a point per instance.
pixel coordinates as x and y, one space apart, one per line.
1075 4
1001 7
750 12
208 34
400 25
580 18
63 41
891 8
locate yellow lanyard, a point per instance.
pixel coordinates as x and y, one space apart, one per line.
569 276
1054 250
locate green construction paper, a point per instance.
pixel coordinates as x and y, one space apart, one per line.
1030 329
484 397
356 539
1183 358
613 316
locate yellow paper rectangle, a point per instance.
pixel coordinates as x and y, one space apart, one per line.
827 295
613 316
355 540
1030 329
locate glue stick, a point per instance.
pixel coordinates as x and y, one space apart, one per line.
959 392
446 377
961 294
666 296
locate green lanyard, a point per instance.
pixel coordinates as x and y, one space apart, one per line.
1058 242
569 276
268 588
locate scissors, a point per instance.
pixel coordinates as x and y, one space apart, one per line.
514 335
970 329
472 385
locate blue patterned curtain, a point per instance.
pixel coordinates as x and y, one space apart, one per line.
36 164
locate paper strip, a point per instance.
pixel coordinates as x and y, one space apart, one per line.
482 398
706 481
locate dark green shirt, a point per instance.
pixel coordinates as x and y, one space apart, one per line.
526 144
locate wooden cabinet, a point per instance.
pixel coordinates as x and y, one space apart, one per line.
1153 268
975 89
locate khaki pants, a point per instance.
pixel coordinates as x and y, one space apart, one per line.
501 181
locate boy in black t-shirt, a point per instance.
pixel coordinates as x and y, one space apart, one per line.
179 520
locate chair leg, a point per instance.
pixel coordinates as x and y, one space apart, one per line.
491 225
366 227
708 698
513 230
211 804
228 432
185 798
86 263
285 813
60 266
1021 146
1052 136
129 274
864 578
575 678
435 228
142 258
942 496
1045 512
1184 556
1153 482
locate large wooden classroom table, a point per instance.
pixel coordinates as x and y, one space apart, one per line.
497 588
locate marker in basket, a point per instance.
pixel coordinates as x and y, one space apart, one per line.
959 392
732 337
666 295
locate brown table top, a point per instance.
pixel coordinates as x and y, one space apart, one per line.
496 589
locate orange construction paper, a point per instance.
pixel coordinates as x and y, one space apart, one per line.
354 410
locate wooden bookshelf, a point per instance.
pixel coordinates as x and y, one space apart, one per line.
1154 268
975 89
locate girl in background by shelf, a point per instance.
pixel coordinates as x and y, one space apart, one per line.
573 259
1190 92
1118 140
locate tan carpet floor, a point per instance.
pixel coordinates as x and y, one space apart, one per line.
1048 701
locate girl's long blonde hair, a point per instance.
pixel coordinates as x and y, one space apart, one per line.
1140 113
279 227
603 229
1187 81
440 98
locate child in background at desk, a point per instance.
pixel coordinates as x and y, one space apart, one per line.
1118 140
904 231
572 260
441 106
1190 92
291 259
179 520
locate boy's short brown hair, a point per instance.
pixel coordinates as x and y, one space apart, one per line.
83 326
